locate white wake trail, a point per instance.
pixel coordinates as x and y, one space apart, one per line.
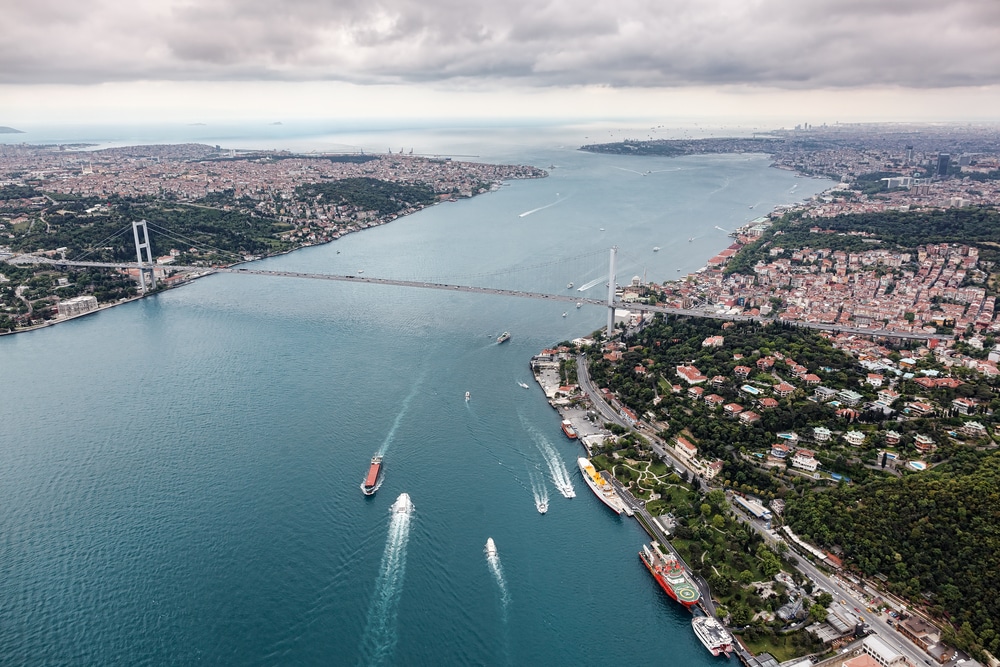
399 417
379 637
493 560
540 208
557 469
540 491
587 286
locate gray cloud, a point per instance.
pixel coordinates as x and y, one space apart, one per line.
646 43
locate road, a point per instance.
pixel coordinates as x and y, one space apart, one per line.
878 623
842 592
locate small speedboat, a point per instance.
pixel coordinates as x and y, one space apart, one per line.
656 248
564 314
468 395
569 286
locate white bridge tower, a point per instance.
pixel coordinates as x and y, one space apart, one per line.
611 292
139 247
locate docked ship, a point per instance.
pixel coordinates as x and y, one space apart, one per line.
670 574
504 337
600 486
713 635
568 429
374 478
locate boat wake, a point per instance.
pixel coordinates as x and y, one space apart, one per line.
493 560
587 286
540 492
557 469
399 417
379 637
540 208
522 384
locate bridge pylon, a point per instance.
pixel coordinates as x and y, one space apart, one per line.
611 292
139 247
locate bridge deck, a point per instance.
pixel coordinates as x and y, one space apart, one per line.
690 312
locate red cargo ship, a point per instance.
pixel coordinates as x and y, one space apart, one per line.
670 574
374 478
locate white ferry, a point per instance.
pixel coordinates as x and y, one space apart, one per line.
600 486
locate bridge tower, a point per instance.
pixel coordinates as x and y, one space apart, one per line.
139 247
611 292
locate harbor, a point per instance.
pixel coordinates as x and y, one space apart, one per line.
580 416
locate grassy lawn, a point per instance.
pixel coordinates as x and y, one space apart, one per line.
782 648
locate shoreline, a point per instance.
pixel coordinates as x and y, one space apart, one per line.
494 186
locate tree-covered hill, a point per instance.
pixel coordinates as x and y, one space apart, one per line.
385 197
935 536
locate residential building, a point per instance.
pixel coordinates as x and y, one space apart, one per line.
691 374
924 443
822 433
803 460
685 448
855 438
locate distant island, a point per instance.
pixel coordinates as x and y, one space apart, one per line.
10 130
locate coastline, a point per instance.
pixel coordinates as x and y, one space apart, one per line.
189 278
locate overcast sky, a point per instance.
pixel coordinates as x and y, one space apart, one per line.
207 59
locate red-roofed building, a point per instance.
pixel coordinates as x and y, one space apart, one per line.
741 372
691 374
784 389
714 400
713 341
733 409
749 417
768 403
810 378
685 448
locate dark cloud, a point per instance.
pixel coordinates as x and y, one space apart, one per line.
647 43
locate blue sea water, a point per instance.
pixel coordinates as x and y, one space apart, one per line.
180 475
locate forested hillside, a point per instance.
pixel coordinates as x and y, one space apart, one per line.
936 536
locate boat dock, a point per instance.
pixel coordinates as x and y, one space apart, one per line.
652 527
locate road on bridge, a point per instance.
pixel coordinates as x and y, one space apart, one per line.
708 312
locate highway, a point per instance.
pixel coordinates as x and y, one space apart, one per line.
709 312
842 592
839 591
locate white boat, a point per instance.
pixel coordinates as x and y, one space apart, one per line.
491 547
579 304
656 248
542 506
712 635
403 504
523 385
564 313
600 486
569 285
468 395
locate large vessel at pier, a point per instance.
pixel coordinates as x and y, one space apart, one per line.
600 486
713 635
670 574
504 337
568 429
374 478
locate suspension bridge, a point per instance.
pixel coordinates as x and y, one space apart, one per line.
146 267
